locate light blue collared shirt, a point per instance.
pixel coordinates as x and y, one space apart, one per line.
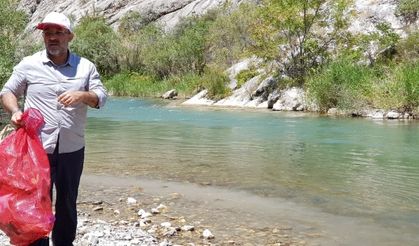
41 82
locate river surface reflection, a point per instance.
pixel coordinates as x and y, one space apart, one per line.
343 166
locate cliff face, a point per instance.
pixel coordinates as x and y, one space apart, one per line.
367 13
166 12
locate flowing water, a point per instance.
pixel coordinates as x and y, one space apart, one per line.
345 167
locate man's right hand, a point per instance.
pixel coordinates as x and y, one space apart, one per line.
16 119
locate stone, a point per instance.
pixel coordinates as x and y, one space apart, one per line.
98 209
131 201
207 234
170 94
187 228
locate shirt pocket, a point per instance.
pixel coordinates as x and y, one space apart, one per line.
75 84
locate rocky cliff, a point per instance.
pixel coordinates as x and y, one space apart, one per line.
166 12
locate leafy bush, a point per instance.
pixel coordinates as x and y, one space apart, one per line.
400 89
408 49
244 75
132 84
97 41
342 84
12 23
141 48
135 84
408 9
229 36
185 85
215 82
132 23
385 39
298 34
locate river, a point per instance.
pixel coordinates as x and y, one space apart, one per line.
352 176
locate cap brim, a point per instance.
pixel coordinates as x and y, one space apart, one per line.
43 26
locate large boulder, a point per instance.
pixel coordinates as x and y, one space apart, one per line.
290 100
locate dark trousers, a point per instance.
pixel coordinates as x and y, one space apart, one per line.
66 171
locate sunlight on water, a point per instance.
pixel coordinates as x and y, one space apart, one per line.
352 167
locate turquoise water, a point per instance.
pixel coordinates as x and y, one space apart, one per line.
344 166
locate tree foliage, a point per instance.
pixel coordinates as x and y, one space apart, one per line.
408 9
298 33
12 23
229 37
98 42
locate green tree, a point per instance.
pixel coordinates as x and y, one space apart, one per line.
385 41
229 38
98 42
298 33
12 23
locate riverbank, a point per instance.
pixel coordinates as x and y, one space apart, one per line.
129 211
136 211
183 214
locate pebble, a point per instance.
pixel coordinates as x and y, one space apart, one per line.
131 201
207 234
132 228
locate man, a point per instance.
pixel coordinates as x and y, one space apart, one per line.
61 85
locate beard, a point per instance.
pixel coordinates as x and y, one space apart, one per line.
56 52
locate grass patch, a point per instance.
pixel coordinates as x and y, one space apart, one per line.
133 85
342 84
400 89
244 76
138 85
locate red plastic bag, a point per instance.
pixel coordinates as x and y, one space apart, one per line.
25 203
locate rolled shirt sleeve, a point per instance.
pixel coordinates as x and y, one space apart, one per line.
16 84
96 86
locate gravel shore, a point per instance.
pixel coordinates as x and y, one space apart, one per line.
124 214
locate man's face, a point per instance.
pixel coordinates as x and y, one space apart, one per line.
56 40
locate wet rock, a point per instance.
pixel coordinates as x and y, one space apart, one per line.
393 115
170 94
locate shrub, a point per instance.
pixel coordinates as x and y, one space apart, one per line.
135 84
342 84
408 9
408 48
97 41
142 48
167 54
298 34
160 54
12 23
132 23
186 84
215 82
400 89
229 37
244 75
132 84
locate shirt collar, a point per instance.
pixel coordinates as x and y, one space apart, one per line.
70 61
